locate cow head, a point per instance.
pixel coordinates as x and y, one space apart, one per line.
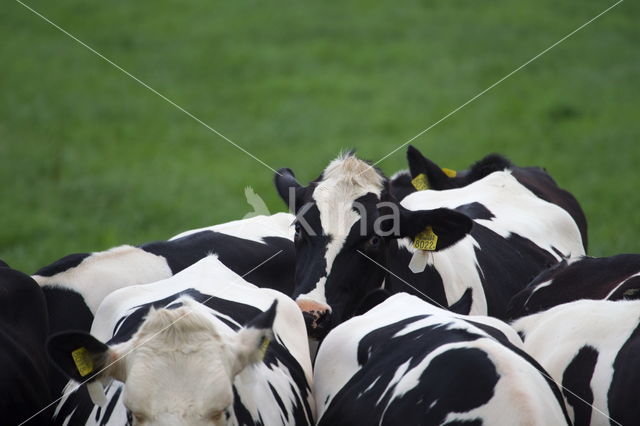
346 222
435 177
177 368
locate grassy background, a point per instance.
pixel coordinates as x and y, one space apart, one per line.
90 159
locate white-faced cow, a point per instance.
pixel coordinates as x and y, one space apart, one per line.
24 388
592 348
610 278
408 362
491 238
537 180
75 285
204 347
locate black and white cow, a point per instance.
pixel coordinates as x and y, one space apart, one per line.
591 348
536 179
408 362
493 236
75 285
204 347
610 278
24 388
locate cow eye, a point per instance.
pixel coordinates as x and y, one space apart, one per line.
298 229
373 242
215 416
138 418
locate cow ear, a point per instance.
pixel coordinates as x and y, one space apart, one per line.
449 226
288 188
82 357
419 164
251 343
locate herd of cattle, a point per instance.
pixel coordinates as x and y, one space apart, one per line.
431 297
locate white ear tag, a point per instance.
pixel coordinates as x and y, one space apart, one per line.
96 392
418 261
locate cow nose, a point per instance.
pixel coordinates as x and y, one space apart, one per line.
316 317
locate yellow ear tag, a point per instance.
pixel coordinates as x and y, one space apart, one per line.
82 359
264 346
449 172
420 182
426 240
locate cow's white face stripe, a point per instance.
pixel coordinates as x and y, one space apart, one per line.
344 181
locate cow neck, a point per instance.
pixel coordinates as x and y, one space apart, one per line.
427 285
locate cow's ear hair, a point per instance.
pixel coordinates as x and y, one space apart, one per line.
82 357
449 225
287 185
251 343
418 163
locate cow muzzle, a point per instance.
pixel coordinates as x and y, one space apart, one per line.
316 317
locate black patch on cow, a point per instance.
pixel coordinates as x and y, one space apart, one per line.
475 210
279 401
3 264
61 265
489 164
576 378
112 404
624 388
507 266
77 407
587 278
238 254
630 290
24 368
372 300
502 339
463 305
67 310
426 285
457 380
400 186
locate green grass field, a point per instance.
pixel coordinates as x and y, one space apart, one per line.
90 159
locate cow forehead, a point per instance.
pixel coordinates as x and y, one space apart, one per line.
173 382
178 353
336 207
345 179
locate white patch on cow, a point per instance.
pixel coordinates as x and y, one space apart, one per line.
457 275
555 336
516 210
400 374
253 229
521 397
168 373
337 362
345 179
103 272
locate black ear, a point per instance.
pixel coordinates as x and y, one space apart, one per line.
265 319
418 163
78 355
449 225
372 300
287 185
